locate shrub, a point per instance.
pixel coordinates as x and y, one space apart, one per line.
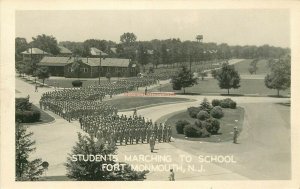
224 104
204 132
198 124
23 104
232 105
217 112
205 105
212 126
193 111
77 83
215 102
180 126
190 131
202 115
28 116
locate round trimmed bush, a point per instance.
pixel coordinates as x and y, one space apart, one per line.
215 102
198 123
180 126
217 112
190 131
232 105
77 83
193 111
224 104
204 132
202 115
212 126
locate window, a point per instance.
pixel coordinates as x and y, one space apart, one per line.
84 70
70 69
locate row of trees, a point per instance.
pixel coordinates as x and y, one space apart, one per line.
228 78
156 51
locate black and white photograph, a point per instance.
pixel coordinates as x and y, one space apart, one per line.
148 94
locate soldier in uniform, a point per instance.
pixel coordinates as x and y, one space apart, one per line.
152 143
235 135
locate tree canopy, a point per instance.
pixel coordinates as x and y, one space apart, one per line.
46 43
183 79
279 77
93 170
228 77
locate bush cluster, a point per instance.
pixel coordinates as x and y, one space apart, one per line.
28 116
191 131
205 105
217 112
180 126
202 115
193 111
225 103
77 83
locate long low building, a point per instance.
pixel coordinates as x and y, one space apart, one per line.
88 67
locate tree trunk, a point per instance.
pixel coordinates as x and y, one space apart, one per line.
278 92
183 90
228 91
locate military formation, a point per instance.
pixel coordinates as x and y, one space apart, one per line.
122 130
100 119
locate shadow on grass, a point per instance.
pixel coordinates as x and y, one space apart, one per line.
232 94
187 93
280 96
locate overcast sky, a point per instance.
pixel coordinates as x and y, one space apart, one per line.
235 27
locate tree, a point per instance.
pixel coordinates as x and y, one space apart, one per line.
43 73
26 170
228 77
280 76
46 43
92 170
20 46
128 38
76 66
183 79
253 67
108 76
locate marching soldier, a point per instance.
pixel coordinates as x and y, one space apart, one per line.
235 135
152 143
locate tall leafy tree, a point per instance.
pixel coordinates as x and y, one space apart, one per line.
43 73
76 66
183 79
26 170
46 43
280 76
21 45
253 66
92 170
128 38
143 57
228 77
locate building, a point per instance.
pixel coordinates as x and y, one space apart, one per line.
88 67
63 51
33 55
96 52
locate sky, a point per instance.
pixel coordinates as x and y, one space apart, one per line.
234 27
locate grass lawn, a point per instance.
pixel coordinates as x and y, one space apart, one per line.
141 102
56 178
210 86
45 118
227 123
242 67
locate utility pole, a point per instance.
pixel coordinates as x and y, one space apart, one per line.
99 67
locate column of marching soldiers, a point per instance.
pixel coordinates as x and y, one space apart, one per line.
100 119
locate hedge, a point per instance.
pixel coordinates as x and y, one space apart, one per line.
28 116
217 112
193 111
190 131
180 126
202 115
77 83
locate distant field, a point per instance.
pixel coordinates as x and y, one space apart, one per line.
248 86
227 124
133 102
242 67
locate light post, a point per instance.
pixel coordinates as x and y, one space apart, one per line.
99 67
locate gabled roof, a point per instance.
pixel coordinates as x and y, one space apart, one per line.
34 51
64 50
96 52
55 61
113 62
62 61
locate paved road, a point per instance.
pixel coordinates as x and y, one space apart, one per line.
263 153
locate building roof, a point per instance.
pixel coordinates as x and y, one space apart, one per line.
113 49
34 51
113 62
96 52
55 61
62 61
64 50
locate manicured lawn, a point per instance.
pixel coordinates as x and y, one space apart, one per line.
139 102
45 118
210 86
227 123
242 67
